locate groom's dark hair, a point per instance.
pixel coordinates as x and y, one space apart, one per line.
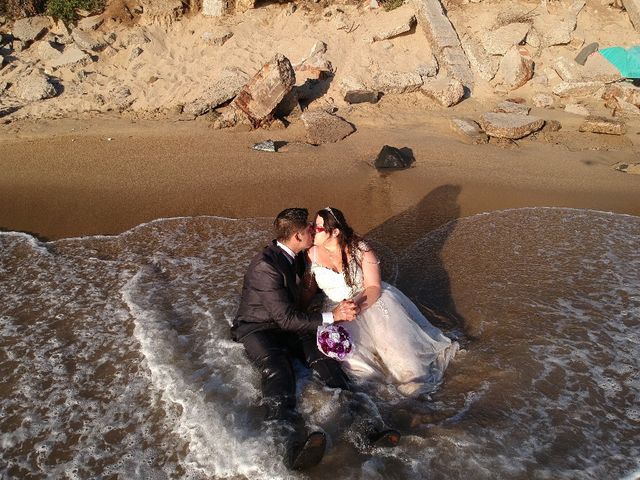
290 221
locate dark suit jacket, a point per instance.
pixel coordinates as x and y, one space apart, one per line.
270 294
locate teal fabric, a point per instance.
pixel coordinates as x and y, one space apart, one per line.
626 60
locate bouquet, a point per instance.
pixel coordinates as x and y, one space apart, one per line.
333 341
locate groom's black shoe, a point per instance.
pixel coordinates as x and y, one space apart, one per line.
385 439
306 454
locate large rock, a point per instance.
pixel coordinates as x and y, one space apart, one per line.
469 131
35 87
260 97
354 91
556 29
516 68
392 157
623 91
397 82
481 62
446 91
499 41
221 91
323 127
633 10
47 52
29 29
72 56
510 125
577 89
608 126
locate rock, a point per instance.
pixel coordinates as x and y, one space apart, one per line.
289 106
220 91
429 68
599 69
625 109
354 91
29 29
391 157
444 41
623 91
551 126
512 107
577 89
266 146
481 62
626 167
218 8
135 53
90 23
510 125
633 10
396 27
318 48
397 82
555 29
35 87
47 52
604 125
543 100
469 130
116 99
516 68
323 127
260 97
499 41
446 91
577 109
71 56
217 37
88 40
568 70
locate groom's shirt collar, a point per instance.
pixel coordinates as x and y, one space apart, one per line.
290 255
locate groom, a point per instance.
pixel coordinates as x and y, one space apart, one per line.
274 330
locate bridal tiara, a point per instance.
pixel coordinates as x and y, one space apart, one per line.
332 214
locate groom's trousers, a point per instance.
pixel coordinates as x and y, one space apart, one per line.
272 351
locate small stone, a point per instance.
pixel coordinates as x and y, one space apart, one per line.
568 70
397 82
577 109
391 157
217 37
626 167
266 146
323 127
446 91
577 89
604 125
499 41
135 53
396 27
551 126
625 109
623 91
354 91
543 100
510 125
469 130
512 107
428 69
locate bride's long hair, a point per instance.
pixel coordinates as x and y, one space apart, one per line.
349 241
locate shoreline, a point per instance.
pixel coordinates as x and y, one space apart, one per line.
63 178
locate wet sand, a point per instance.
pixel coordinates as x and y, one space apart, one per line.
63 178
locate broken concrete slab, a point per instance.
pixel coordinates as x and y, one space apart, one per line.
577 89
633 10
598 68
469 131
355 91
567 69
543 100
556 29
603 125
29 29
323 127
221 91
446 91
72 56
217 36
429 68
34 87
512 107
499 41
625 109
395 26
577 109
90 23
623 91
260 97
217 8
510 125
393 158
89 40
397 82
46 52
481 62
516 68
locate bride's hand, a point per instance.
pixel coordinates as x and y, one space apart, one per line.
345 311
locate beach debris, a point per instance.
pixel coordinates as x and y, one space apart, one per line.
604 125
428 68
499 41
397 82
354 91
510 125
469 130
577 89
516 68
90 23
323 127
46 51
71 56
543 100
623 91
512 107
220 91
625 167
34 87
633 10
446 91
396 24
217 36
266 146
394 158
551 126
444 41
481 62
29 29
259 98
577 109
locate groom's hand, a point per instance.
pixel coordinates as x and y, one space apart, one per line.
345 311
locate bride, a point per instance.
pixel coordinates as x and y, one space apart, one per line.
392 340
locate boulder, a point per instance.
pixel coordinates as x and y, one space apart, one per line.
446 91
512 107
577 89
354 91
260 97
469 130
604 125
323 127
499 41
34 87
392 157
543 100
623 91
217 36
30 29
71 56
220 91
46 52
396 26
510 125
516 68
88 40
397 82
481 62
577 109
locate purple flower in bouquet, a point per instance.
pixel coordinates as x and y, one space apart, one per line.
334 342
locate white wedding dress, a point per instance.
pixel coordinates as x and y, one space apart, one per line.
392 340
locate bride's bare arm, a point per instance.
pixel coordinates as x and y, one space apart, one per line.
372 281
